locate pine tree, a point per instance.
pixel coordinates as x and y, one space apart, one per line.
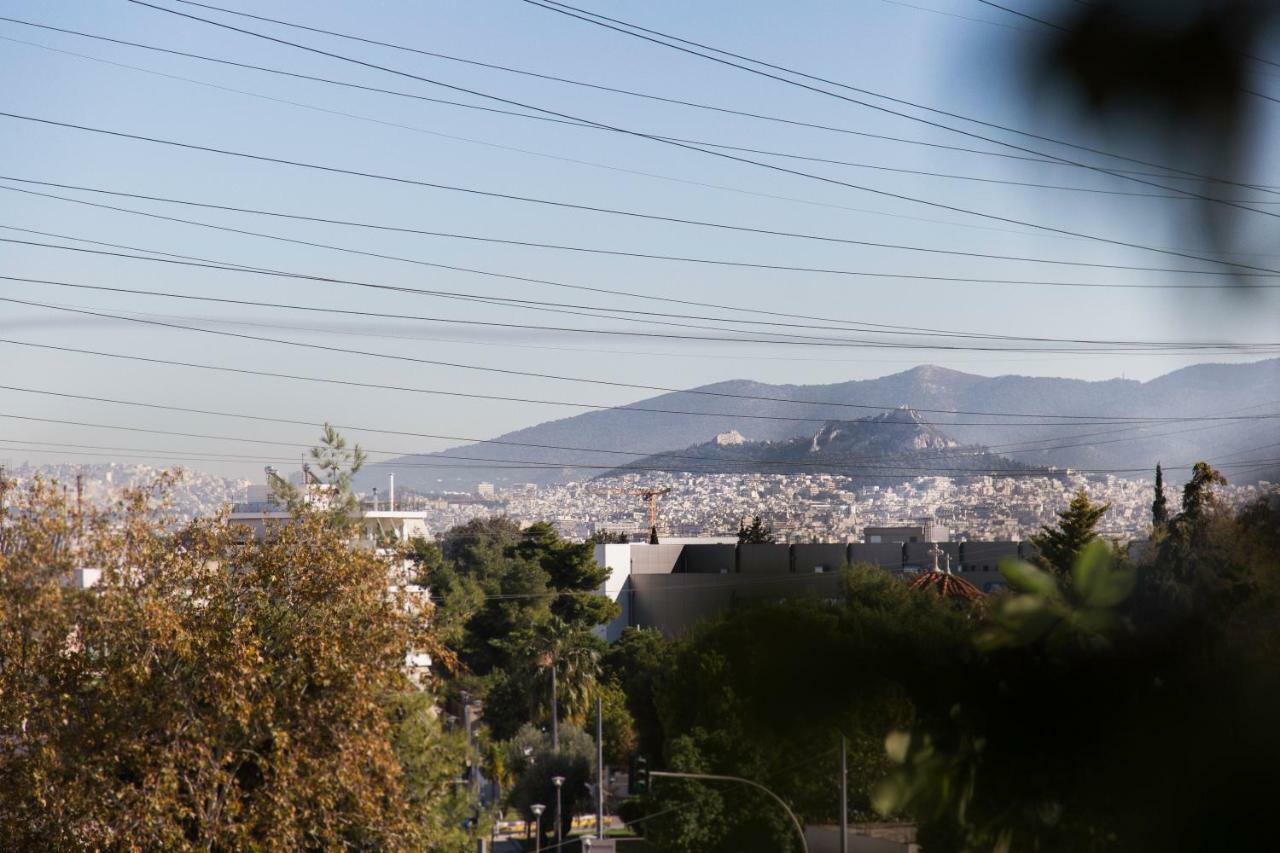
1060 546
758 533
1160 506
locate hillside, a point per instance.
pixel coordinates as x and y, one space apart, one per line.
689 418
881 449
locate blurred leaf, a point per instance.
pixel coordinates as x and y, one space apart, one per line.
890 796
1025 577
1025 618
1099 580
896 745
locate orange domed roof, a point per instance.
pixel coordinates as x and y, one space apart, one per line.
947 585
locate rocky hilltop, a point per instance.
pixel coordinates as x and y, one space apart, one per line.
883 448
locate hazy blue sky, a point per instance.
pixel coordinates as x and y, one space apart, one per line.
963 65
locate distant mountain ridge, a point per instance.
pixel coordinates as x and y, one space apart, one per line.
879 449
799 410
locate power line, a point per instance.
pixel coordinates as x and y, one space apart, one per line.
562 8
1070 419
735 158
494 110
1162 347
1024 15
861 326
1121 173
649 255
623 170
637 215
259 418
636 31
507 371
610 167
561 79
781 338
876 471
1106 419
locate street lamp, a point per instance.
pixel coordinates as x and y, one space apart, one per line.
558 781
537 809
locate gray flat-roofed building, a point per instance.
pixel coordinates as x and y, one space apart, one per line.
655 559
817 559
923 531
886 555
710 559
676 603
986 556
763 560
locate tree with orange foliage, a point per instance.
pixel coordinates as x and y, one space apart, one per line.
211 690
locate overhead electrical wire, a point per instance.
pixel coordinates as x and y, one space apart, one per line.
563 9
1048 445
827 322
510 113
509 371
648 255
872 471
656 36
479 107
645 216
1068 418
621 91
1159 347
880 167
260 418
735 158
598 312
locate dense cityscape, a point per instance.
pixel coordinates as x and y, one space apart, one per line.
814 507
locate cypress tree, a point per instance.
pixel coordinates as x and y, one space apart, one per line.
1160 506
653 535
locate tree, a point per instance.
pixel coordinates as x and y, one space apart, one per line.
1060 547
209 691
1059 727
758 533
608 537
636 662
653 535
432 761
1159 506
517 602
1198 497
738 697
534 763
338 464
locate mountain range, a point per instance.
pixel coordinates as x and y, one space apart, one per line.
999 413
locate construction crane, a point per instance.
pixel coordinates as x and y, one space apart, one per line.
650 495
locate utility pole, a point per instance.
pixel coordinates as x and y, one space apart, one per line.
473 760
555 712
599 767
844 794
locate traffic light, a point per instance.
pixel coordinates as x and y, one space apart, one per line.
638 779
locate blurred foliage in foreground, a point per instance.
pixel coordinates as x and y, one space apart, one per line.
1126 704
